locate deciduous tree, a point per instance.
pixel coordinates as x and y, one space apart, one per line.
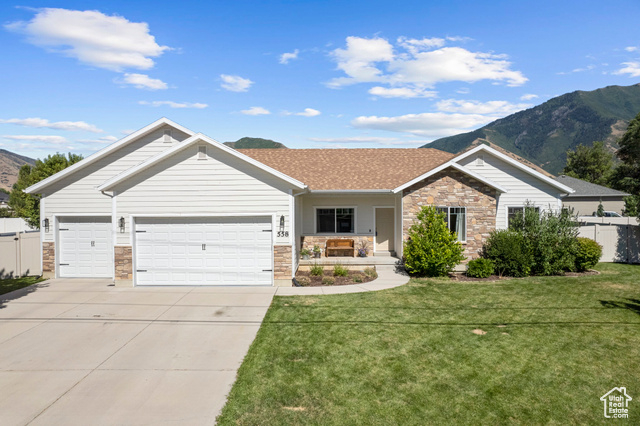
26 205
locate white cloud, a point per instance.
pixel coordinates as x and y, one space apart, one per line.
415 46
235 83
308 112
256 111
173 104
402 92
368 140
286 57
433 124
143 81
463 90
528 97
56 125
359 58
631 68
56 140
494 108
93 38
631 48
417 64
102 140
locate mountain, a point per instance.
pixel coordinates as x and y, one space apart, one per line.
544 133
10 164
249 143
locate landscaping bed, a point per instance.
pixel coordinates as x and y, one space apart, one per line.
307 279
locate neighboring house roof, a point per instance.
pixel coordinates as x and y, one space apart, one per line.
195 139
583 188
38 187
351 169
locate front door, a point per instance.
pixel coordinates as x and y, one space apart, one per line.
384 229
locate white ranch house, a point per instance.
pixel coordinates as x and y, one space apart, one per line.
168 206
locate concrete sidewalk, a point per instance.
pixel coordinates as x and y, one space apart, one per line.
388 277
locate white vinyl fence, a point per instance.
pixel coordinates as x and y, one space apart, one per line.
13 224
20 254
620 243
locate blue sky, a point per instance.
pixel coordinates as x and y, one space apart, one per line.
77 75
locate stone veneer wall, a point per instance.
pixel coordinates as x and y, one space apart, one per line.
282 256
310 240
452 188
124 262
48 258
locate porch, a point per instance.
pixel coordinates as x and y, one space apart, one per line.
341 225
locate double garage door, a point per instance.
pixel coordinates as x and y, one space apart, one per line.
203 251
173 251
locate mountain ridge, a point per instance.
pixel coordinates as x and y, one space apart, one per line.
254 143
10 164
543 134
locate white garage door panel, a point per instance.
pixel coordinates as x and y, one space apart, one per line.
203 251
85 247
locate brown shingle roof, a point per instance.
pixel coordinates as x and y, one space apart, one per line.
336 169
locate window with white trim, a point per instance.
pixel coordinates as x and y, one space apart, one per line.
456 218
513 211
335 220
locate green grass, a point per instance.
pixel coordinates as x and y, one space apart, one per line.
553 346
10 284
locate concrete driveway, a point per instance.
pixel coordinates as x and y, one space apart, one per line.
82 352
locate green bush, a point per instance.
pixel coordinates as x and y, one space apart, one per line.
340 270
551 238
328 281
316 270
588 254
431 250
480 268
304 281
357 278
509 253
371 273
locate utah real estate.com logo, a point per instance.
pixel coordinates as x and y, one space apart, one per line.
616 403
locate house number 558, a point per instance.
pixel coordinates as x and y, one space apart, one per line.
283 233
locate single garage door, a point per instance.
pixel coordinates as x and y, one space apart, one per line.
203 251
85 247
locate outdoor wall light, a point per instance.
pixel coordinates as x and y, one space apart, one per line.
121 224
282 223
45 225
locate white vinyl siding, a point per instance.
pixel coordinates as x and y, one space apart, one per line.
522 186
184 185
77 194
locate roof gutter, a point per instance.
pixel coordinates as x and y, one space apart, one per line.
351 191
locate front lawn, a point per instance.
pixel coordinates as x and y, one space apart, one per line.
553 346
10 284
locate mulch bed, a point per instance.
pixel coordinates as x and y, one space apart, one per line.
462 277
315 281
